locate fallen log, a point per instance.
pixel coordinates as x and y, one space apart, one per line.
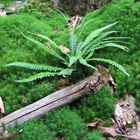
59 98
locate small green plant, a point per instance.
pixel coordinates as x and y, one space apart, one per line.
78 52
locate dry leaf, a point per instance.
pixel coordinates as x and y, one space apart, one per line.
74 21
93 125
64 49
108 131
126 122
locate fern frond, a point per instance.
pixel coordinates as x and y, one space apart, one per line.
34 66
95 33
66 71
84 62
47 39
79 48
66 19
120 67
110 44
96 41
37 76
72 60
83 26
104 35
89 55
119 41
86 51
73 44
116 38
48 50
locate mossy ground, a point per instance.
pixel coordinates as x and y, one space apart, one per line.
70 121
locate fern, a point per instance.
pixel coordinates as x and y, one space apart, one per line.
48 39
84 62
118 41
79 45
95 34
34 66
120 67
48 50
116 38
83 25
37 76
80 52
110 44
72 60
97 41
73 44
66 71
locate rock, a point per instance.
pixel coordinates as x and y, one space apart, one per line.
80 7
125 113
15 6
1 7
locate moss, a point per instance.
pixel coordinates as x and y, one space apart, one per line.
35 130
69 123
94 136
65 123
99 105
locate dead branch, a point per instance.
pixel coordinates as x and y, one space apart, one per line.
59 98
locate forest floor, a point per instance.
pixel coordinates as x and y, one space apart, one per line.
70 121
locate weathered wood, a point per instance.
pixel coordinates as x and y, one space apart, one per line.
55 100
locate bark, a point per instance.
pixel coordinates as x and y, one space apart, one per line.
55 100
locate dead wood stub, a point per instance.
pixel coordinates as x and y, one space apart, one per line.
55 100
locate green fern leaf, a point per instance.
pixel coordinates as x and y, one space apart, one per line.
116 38
120 67
83 62
66 71
95 33
79 48
48 50
37 76
63 15
83 25
110 44
48 39
118 41
34 66
72 60
89 55
97 41
73 44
